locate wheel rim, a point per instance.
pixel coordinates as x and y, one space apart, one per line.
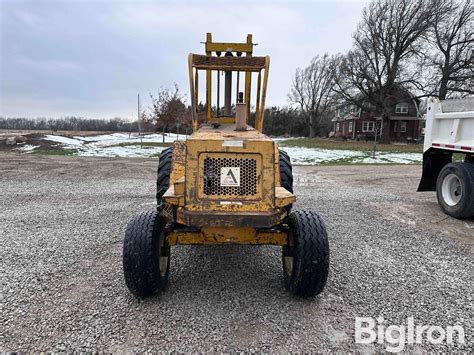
451 190
288 257
163 255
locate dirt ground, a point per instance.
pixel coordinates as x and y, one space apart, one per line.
394 254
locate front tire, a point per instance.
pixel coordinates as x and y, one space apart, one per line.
455 189
163 174
286 174
146 255
306 257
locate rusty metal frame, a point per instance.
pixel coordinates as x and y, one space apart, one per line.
246 64
221 235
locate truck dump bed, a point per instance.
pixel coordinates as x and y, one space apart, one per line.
450 125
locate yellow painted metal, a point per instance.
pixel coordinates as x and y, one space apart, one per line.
196 86
227 140
248 80
264 94
210 63
172 198
179 186
242 217
283 197
218 235
208 84
178 162
257 107
229 47
191 92
225 120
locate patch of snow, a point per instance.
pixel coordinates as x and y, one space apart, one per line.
27 148
281 139
105 145
127 151
314 156
64 140
391 158
105 137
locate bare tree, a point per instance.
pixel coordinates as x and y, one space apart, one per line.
381 62
453 36
311 90
167 108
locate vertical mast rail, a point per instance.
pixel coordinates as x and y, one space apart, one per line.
257 107
264 93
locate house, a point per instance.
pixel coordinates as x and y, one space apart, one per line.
406 123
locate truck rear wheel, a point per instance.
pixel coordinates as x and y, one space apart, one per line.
286 173
455 189
146 255
306 257
163 174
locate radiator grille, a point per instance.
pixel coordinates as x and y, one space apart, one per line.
212 177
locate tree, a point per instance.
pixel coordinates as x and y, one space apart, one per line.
452 34
53 125
383 58
311 90
167 108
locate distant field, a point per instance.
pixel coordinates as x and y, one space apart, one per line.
302 151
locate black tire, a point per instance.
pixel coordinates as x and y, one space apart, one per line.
286 174
146 256
306 257
163 173
455 189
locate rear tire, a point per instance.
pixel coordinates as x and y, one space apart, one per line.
306 257
455 189
286 174
163 174
146 255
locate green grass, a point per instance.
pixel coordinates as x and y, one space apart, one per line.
350 145
62 152
342 161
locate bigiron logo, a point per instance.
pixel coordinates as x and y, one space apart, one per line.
230 176
367 331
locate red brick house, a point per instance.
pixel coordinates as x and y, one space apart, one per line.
406 123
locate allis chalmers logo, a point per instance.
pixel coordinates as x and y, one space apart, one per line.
230 176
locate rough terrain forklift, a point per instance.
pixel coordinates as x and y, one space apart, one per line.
228 183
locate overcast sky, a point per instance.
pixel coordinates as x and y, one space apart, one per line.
91 58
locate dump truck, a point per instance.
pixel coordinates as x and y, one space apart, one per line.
228 183
449 132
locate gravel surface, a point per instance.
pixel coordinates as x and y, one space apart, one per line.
62 222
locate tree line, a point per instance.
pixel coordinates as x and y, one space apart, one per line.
72 123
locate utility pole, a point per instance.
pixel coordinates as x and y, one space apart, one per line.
139 123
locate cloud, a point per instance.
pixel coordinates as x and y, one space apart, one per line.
93 57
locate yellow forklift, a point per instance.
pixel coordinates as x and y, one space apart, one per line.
228 183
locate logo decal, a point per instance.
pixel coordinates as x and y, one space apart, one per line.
230 176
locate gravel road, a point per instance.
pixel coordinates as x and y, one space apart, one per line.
62 220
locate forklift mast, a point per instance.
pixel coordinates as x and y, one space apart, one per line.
228 58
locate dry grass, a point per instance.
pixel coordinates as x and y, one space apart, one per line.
351 145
